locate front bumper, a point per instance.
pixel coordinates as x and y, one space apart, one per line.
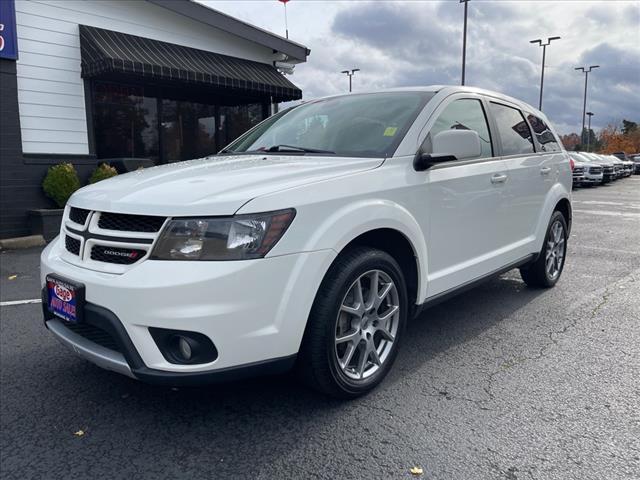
577 179
254 312
592 178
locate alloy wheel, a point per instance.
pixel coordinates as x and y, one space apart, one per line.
367 325
554 254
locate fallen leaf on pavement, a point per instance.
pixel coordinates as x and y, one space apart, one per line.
416 471
13 277
79 433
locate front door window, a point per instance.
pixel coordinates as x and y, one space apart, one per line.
464 114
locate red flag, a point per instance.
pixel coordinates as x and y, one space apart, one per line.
284 1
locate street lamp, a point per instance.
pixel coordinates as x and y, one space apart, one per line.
590 114
464 38
350 74
584 105
544 51
286 26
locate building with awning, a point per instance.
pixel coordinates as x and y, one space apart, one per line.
127 83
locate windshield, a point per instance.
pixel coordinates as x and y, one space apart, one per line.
359 125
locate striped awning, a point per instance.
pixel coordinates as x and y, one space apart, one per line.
106 52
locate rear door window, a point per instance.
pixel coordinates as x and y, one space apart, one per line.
513 129
547 140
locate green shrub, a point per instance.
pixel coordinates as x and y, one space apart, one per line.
60 182
102 172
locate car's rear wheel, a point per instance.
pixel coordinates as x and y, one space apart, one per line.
545 271
355 325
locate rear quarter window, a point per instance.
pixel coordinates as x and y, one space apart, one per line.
545 137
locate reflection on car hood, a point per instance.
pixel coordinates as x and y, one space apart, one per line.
217 185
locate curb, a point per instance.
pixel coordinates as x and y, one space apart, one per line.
22 242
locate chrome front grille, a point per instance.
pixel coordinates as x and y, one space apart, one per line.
107 241
595 170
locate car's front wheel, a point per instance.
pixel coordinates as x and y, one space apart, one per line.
355 325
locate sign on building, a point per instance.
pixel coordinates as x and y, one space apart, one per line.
8 39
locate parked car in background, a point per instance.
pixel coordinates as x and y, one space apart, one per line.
618 165
628 167
636 164
311 240
585 172
608 170
578 172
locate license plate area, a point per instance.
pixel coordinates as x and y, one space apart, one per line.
65 298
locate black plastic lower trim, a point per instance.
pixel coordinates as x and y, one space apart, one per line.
108 321
273 366
446 295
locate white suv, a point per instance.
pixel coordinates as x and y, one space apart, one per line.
311 240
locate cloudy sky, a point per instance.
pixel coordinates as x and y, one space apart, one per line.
398 43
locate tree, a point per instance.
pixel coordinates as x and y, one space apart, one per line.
628 127
589 141
626 140
570 141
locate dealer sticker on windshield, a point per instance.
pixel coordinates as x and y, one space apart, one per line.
390 131
65 299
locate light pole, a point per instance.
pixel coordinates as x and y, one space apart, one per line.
544 52
464 39
286 26
590 114
584 105
350 74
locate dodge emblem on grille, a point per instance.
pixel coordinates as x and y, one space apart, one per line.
115 253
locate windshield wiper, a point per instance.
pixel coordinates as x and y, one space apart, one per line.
284 148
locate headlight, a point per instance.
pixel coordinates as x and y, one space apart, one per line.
222 238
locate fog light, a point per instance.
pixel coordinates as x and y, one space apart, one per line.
184 348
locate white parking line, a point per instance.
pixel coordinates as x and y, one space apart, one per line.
20 302
604 249
609 213
602 202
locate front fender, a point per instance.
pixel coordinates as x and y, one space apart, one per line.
346 223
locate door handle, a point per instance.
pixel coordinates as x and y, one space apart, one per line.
545 170
499 178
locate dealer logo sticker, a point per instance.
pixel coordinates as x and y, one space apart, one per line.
62 293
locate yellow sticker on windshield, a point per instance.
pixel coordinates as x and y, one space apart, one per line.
390 131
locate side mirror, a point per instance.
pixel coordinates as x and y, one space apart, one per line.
462 144
449 145
424 161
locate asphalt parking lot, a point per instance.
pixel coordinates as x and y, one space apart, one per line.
503 382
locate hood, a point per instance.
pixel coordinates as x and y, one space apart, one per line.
211 185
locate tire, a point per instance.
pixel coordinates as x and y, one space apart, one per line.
336 367
536 274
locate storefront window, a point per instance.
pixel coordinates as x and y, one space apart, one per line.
188 130
125 122
133 122
234 121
